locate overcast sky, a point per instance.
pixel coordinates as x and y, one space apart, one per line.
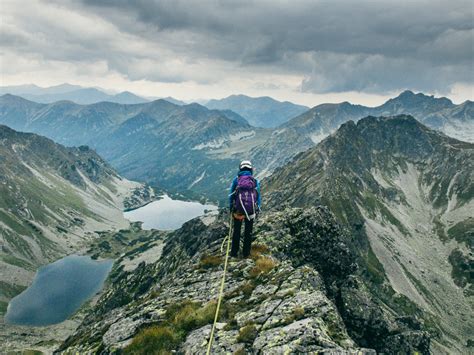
303 51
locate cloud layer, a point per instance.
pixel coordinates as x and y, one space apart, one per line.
307 46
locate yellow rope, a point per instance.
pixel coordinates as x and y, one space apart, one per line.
221 291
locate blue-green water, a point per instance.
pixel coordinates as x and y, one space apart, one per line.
167 214
58 290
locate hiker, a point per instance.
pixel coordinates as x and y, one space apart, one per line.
244 200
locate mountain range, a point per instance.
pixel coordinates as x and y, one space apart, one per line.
308 129
164 144
437 113
261 111
193 148
78 94
68 92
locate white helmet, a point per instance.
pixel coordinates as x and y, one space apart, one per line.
245 164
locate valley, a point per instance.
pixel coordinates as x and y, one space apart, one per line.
53 199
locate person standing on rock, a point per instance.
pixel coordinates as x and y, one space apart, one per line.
244 200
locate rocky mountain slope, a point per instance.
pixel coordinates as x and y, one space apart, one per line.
53 199
407 193
259 111
301 292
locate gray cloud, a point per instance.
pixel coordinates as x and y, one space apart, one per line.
334 72
336 46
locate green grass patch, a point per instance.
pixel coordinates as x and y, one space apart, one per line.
154 340
31 352
263 265
190 315
20 244
393 220
375 268
13 260
257 250
180 319
247 288
420 287
438 229
209 261
3 307
8 290
247 334
462 269
463 232
13 223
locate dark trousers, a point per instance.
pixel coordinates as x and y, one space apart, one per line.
236 238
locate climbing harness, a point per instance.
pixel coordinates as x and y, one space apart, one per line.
221 291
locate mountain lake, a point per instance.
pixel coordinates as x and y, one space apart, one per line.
168 214
58 290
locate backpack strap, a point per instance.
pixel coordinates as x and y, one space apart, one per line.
252 216
253 206
242 204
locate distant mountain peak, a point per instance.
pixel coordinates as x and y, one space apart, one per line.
410 97
14 98
161 102
407 93
261 111
66 86
379 122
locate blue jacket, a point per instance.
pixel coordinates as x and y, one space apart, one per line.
234 186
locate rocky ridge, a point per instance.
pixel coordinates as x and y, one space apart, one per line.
300 292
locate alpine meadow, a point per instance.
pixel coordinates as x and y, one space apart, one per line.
236 177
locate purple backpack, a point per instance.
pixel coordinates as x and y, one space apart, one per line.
246 196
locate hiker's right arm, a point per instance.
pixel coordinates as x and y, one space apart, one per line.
231 192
